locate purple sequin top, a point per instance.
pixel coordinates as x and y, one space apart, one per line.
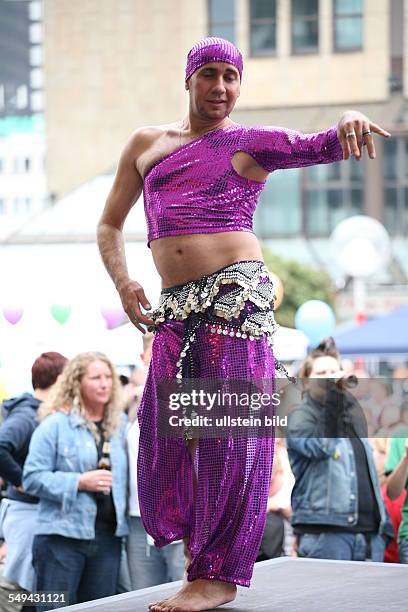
195 189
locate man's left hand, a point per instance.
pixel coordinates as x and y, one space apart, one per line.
354 130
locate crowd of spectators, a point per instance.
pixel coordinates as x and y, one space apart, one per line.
70 516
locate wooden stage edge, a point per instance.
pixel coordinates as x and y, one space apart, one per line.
293 585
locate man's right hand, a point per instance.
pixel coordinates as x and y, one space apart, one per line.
133 297
95 481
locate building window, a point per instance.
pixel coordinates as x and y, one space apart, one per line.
348 25
35 10
36 55
395 214
331 193
21 99
279 212
263 27
396 32
35 33
305 26
36 78
221 19
22 206
36 101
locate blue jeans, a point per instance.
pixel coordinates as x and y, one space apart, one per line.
124 583
148 565
340 546
86 569
403 551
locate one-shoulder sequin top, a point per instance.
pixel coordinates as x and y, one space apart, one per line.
196 190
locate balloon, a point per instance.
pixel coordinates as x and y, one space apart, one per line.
361 246
12 314
279 290
316 319
113 316
61 313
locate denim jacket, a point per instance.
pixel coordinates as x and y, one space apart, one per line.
61 449
325 491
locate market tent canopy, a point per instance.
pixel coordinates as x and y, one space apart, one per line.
385 335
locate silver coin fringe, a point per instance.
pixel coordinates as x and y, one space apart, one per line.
192 301
253 284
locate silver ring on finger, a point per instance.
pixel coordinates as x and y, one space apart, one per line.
350 134
367 133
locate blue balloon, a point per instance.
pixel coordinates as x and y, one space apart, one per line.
316 319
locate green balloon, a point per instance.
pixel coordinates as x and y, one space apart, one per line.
60 313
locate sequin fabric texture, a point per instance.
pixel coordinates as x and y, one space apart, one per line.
219 327
207 301
195 189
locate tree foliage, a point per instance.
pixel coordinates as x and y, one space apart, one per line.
300 283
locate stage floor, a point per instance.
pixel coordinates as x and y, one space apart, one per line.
294 585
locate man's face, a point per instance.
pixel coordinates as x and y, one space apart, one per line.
214 89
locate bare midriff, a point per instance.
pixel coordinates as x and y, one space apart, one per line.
180 259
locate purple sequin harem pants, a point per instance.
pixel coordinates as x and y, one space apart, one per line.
226 520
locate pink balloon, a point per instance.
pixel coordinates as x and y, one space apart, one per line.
13 315
113 316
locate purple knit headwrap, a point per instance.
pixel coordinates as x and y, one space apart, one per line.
213 50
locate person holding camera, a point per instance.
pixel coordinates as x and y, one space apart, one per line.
338 511
77 466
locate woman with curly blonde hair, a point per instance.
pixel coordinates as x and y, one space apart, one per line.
77 467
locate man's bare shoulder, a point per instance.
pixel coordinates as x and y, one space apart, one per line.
150 143
143 137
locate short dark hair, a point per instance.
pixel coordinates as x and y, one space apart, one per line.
46 369
326 348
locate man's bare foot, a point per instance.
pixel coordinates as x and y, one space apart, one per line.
197 595
188 559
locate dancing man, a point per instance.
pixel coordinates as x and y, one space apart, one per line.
201 178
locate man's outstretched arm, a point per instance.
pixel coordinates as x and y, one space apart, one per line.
277 148
126 190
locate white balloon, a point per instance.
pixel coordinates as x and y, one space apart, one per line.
360 257
361 246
